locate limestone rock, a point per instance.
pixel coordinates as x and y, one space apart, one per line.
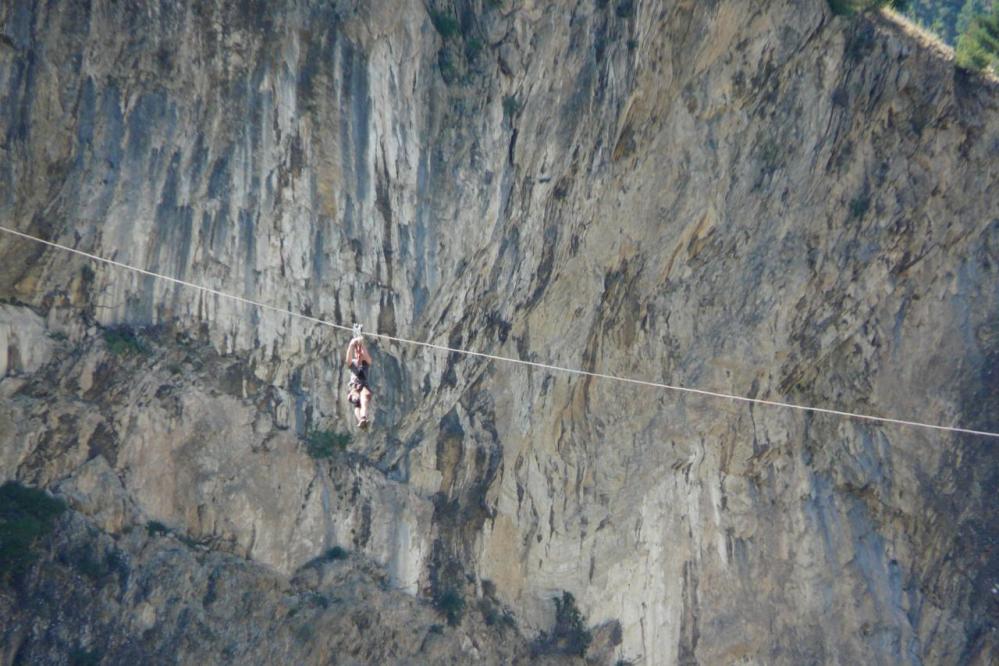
758 199
23 345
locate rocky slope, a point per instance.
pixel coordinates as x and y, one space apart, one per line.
147 596
753 198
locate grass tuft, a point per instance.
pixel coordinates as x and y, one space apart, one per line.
26 515
445 24
324 443
123 341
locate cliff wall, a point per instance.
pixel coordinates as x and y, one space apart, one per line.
755 198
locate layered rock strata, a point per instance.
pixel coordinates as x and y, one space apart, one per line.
764 200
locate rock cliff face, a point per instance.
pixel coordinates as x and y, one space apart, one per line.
755 198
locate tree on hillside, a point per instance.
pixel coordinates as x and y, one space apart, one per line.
946 18
978 47
969 11
847 7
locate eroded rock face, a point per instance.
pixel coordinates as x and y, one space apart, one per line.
151 597
766 201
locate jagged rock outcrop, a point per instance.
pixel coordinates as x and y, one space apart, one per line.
147 596
764 200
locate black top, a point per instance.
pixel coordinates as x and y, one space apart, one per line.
359 373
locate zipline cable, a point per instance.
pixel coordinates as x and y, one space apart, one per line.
508 359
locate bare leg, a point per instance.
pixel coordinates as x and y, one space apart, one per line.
365 400
351 397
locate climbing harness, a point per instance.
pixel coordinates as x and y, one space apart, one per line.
506 359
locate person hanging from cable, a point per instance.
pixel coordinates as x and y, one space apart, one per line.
358 389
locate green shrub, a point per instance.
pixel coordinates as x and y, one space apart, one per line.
570 626
496 616
324 443
849 7
770 156
569 636
335 553
473 46
122 340
510 106
451 604
444 23
625 9
88 563
117 563
978 46
26 515
859 206
448 65
81 657
156 528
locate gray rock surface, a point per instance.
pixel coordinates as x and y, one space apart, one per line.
151 597
760 199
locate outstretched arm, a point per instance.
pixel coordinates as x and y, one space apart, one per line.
365 357
350 350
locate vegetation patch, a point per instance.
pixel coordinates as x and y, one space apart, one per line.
324 443
510 106
946 18
88 563
625 9
850 7
978 47
82 657
335 553
156 528
446 65
569 636
26 515
123 341
445 24
473 47
451 604
859 206
496 616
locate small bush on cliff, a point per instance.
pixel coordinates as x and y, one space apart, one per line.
335 553
444 23
495 616
156 528
122 340
859 206
26 515
88 562
81 657
569 635
451 604
510 106
324 443
625 9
